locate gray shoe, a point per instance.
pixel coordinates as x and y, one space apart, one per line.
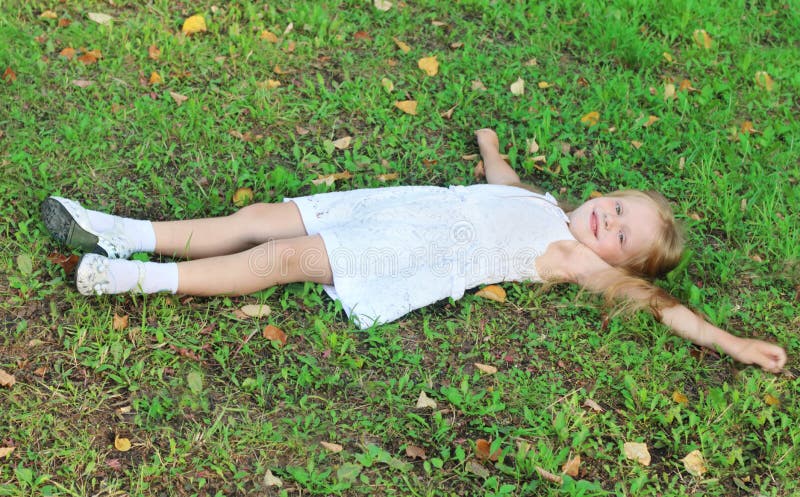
68 222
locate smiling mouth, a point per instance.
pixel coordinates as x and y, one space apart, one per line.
593 223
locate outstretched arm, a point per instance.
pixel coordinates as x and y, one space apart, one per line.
498 171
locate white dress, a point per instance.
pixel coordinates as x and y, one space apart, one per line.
396 249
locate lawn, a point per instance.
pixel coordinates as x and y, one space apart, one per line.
170 395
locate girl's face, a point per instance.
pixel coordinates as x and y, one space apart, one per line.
616 228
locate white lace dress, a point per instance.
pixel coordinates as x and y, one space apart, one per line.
393 250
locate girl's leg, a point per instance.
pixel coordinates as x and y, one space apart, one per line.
246 228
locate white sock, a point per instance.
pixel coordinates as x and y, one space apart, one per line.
142 277
139 232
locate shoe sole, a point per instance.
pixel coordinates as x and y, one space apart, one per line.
63 227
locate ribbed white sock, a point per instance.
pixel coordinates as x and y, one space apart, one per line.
139 232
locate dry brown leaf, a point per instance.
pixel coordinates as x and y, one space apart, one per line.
518 87
67 262
477 85
194 24
764 80
650 121
638 452
122 444
387 85
424 401
48 14
256 310
269 84
332 447
387 177
362 35
7 380
482 448
456 45
448 113
415 452
269 36
178 98
747 127
242 196
9 76
695 463
64 22
274 333
82 83
289 47
533 147
485 368
90 56
153 52
702 39
680 398
407 106
6 451
492 292
429 64
591 119
769 399
68 53
100 18
478 469
155 78
636 144
330 179
119 323
40 371
591 404
669 91
271 480
572 466
402 46
343 143
382 5
301 130
549 476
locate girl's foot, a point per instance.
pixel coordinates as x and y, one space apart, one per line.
98 275
96 232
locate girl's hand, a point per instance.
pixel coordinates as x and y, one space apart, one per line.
770 357
487 140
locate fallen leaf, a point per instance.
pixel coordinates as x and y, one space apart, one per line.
255 310
636 144
343 143
478 469
429 64
764 80
194 24
549 476
482 448
492 292
533 147
486 368
7 380
680 398
407 106
702 39
275 334
9 75
747 127
329 179
155 78
544 84
90 56
591 119
477 85
301 130
194 380
424 401
153 52
40 372
122 444
667 57
361 35
289 48
387 85
271 480
539 158
279 70
382 5
348 472
288 29
695 463
100 18
387 177
269 84
518 87
68 53
178 98
456 45
448 113
572 466
771 400
269 36
637 451
412 451
114 464
6 451
532 62
82 83
48 14
242 196
332 447
650 121
119 323
669 91
402 46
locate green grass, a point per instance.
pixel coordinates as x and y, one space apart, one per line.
210 415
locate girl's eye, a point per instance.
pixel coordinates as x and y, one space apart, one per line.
619 209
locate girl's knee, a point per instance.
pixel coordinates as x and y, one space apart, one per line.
252 212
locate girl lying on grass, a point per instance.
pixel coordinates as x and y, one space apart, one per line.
387 251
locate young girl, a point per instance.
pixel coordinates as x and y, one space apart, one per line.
387 251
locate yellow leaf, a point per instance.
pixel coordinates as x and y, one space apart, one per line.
155 78
6 451
544 84
387 85
429 64
329 179
343 143
407 106
638 452
274 333
268 36
425 402
669 91
695 463
269 84
591 119
194 24
48 14
764 80
684 85
387 177
650 120
518 87
242 196
100 18
771 400
572 466
702 38
668 57
256 310
492 292
595 194
680 398
332 447
402 46
122 444
7 380
747 127
636 144
485 368
382 5
119 323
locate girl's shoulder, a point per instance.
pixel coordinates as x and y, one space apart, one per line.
568 261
